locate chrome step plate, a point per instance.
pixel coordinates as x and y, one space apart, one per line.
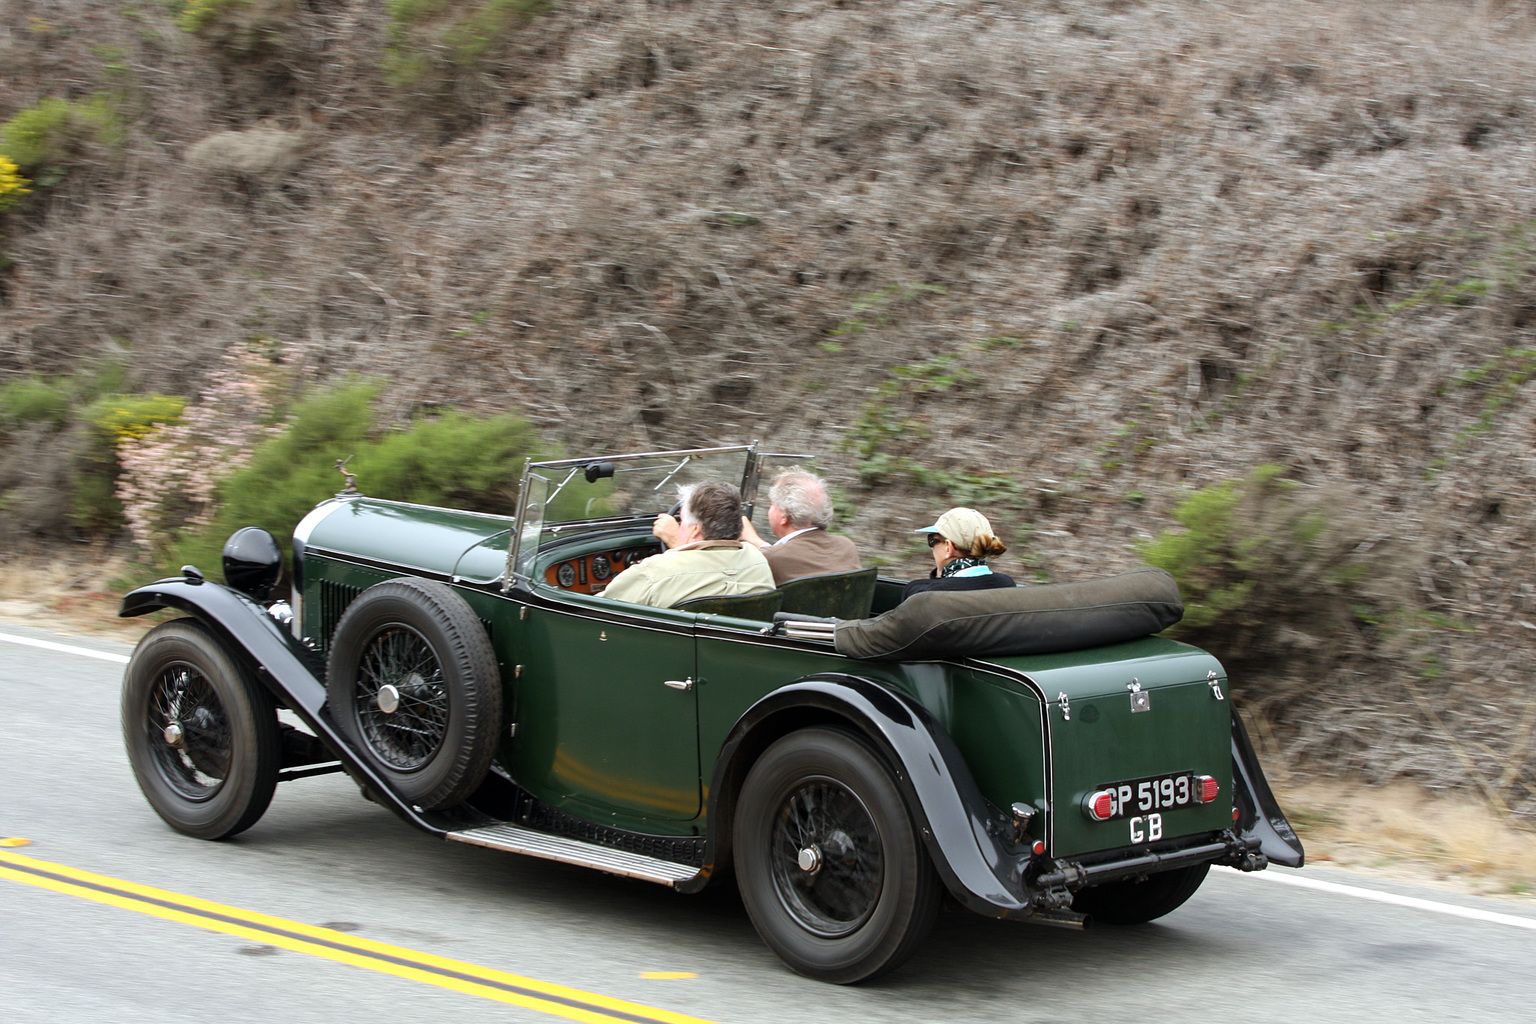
572 851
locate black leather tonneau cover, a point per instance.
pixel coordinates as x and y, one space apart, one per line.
1019 620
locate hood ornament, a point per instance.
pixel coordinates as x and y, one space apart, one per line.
350 491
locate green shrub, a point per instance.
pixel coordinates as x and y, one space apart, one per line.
447 37
52 130
197 15
245 29
1274 573
94 508
33 400
453 459
1216 561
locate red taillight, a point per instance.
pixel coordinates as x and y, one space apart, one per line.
1209 788
1101 805
1038 848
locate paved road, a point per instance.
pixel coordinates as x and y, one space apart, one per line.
324 863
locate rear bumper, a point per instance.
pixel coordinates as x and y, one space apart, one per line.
1052 887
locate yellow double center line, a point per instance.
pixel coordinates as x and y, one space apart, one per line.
457 975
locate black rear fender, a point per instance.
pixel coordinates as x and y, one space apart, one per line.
956 822
1258 812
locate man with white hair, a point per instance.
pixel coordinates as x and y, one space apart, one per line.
799 512
705 555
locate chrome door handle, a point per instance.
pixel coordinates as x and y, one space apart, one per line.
679 684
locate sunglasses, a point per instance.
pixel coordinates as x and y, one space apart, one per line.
934 540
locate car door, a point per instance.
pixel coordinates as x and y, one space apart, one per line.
608 713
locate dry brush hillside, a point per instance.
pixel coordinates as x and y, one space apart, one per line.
1071 260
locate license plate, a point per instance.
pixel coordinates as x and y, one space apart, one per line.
1153 793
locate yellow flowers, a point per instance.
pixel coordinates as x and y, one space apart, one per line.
12 185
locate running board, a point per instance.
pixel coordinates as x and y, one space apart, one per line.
513 839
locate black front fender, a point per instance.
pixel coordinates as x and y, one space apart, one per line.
955 820
282 663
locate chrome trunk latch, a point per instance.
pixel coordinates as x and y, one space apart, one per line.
1215 683
1140 699
1066 706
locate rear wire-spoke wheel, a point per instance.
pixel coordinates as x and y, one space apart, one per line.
412 682
829 863
202 735
1137 902
827 859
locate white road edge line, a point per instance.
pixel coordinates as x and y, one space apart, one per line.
49 645
1388 897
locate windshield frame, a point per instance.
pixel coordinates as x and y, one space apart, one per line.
529 528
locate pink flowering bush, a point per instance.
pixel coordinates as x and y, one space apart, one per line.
170 474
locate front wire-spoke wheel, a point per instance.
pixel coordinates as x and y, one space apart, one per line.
202 735
830 865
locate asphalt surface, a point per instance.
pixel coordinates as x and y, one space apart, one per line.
332 910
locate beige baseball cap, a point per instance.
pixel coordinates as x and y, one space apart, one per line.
960 525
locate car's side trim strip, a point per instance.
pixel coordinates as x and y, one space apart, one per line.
513 839
399 568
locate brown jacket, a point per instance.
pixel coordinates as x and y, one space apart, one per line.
811 554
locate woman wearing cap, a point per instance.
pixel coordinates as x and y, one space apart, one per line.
961 541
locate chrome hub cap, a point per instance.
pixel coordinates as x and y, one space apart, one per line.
826 857
389 698
173 735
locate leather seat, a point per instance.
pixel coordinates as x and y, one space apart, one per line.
840 595
742 606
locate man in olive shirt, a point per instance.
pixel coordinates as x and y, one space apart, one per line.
799 512
705 555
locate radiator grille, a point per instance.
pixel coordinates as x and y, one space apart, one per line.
334 600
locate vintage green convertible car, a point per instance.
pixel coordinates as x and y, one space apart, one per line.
1034 752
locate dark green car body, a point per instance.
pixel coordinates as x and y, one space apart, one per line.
631 729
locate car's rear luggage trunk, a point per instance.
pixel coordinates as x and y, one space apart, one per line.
1144 720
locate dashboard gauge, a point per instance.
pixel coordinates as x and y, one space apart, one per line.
566 574
601 567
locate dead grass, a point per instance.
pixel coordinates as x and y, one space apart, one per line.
1452 840
68 596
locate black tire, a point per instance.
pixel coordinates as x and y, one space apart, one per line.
412 683
1132 902
871 895
201 733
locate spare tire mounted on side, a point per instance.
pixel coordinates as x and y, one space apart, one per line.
412 682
